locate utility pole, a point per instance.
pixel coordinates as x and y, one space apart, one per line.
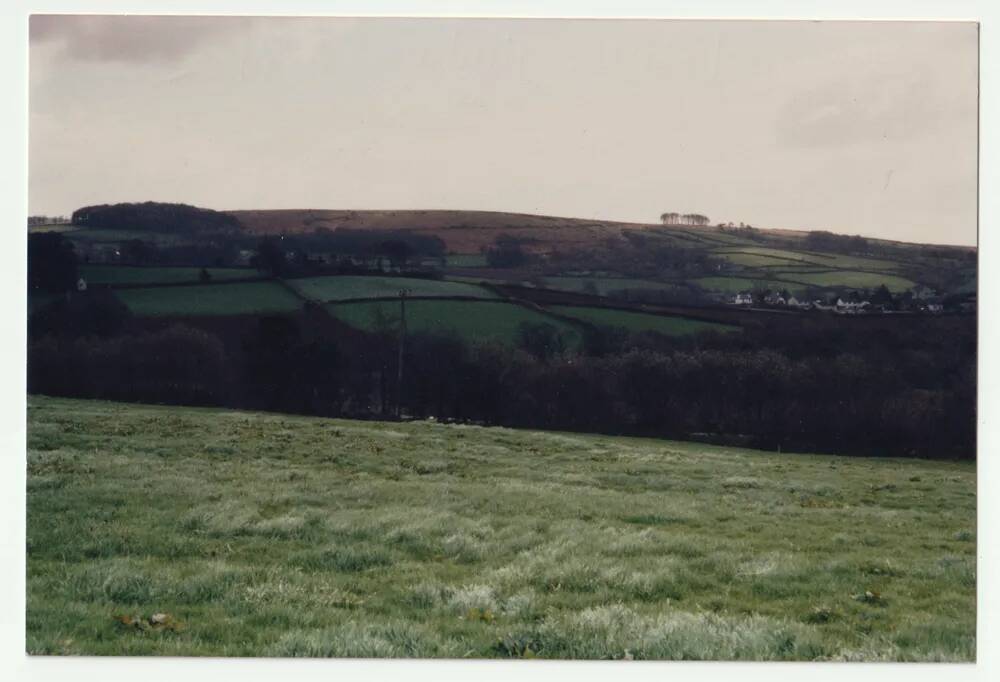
402 342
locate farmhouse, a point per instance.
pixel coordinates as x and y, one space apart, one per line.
743 298
852 307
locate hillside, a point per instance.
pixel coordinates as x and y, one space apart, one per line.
467 231
462 231
274 535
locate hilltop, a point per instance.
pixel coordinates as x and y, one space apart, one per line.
462 231
471 231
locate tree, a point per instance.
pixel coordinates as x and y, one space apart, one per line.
52 265
271 257
138 252
882 295
204 276
397 251
154 216
541 339
506 252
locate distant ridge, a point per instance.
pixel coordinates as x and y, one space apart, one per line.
469 231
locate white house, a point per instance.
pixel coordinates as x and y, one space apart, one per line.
851 307
743 298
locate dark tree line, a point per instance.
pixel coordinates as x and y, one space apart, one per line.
886 388
506 252
52 266
838 243
151 216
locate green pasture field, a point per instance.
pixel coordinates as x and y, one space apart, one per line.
275 535
850 279
732 285
210 299
125 274
471 320
55 227
605 285
109 236
351 286
756 260
488 280
641 322
786 268
831 260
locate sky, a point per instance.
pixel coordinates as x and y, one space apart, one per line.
854 127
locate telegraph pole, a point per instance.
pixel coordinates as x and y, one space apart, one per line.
402 342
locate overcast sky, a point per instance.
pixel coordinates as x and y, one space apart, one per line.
861 128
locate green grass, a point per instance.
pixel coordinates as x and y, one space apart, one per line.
850 279
641 322
124 274
274 535
472 320
732 285
84 234
605 285
210 299
757 260
54 227
831 260
348 287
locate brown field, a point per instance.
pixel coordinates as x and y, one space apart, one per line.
467 232
462 231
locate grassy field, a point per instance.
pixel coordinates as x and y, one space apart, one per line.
114 236
732 285
605 285
274 535
53 227
472 320
350 286
641 322
124 274
831 260
218 299
757 260
848 278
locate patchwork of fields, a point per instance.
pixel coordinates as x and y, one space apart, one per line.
471 320
848 278
243 298
123 274
603 286
325 289
275 535
641 322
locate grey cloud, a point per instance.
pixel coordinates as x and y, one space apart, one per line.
139 39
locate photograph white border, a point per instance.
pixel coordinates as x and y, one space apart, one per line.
14 664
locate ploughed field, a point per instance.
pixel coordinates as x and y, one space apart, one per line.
275 535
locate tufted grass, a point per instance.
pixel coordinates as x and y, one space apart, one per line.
274 535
